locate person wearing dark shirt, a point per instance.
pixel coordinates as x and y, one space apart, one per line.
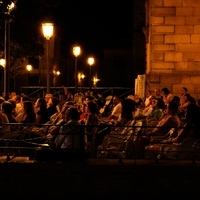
42 115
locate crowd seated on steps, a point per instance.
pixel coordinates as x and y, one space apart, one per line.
156 115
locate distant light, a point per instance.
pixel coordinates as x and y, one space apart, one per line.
76 50
29 67
2 62
47 30
90 61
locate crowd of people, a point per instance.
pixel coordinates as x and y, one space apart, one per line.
69 122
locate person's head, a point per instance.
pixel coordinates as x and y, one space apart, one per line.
136 96
187 97
148 93
116 100
172 108
176 99
12 94
13 103
72 114
92 107
41 104
24 98
17 98
47 97
165 91
28 107
158 103
53 101
7 108
184 91
157 92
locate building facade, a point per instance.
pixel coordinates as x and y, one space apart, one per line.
172 33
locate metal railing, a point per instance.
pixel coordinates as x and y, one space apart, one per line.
106 142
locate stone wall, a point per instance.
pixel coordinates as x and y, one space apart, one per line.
173 45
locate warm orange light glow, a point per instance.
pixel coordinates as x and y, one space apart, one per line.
90 61
76 51
80 76
2 62
29 67
47 30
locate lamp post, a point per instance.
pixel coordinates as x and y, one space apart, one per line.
8 18
76 52
29 68
48 32
90 62
2 64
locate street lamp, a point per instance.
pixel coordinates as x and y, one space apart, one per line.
47 32
76 52
90 62
9 7
29 68
2 64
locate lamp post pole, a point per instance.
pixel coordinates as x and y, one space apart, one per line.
7 58
29 68
48 32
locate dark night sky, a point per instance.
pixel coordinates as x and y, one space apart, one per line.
95 23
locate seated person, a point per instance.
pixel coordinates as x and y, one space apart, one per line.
7 109
116 111
157 106
70 139
170 120
183 138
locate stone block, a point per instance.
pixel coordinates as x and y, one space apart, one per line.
157 56
184 11
185 79
192 20
193 3
193 66
195 39
163 11
164 71
194 80
184 29
196 11
172 79
163 66
173 3
162 29
174 20
171 56
191 56
157 39
188 47
163 47
196 29
177 39
157 20
156 3
181 66
154 78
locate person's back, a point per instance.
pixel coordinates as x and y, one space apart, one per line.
3 121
